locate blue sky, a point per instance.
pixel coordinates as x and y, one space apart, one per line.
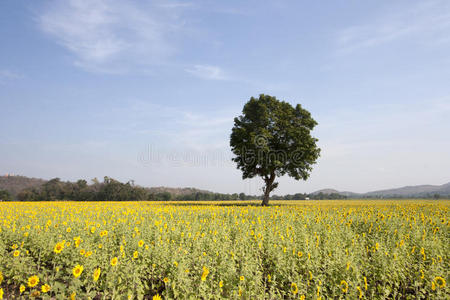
147 90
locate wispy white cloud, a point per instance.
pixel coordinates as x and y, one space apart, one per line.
207 72
6 75
169 126
429 19
113 36
176 4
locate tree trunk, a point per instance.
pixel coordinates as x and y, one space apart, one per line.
269 187
265 201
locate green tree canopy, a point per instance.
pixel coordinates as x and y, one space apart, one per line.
5 195
272 138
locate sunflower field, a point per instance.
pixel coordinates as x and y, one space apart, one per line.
229 250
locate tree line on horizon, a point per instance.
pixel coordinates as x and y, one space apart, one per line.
18 188
114 190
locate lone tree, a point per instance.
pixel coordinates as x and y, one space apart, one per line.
271 138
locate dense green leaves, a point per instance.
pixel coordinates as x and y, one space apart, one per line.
4 195
272 138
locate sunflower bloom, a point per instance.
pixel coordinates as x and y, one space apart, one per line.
157 297
96 274
294 288
344 286
45 288
77 270
33 281
58 247
22 288
114 261
35 293
359 292
205 273
16 253
440 281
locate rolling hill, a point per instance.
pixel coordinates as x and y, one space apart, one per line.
415 191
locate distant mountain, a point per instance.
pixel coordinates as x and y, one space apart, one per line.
415 191
14 184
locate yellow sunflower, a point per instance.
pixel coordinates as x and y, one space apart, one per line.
96 274
294 288
440 281
205 273
58 248
33 281
77 270
344 286
45 288
114 261
359 292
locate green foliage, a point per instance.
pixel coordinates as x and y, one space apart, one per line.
113 190
5 195
272 138
109 190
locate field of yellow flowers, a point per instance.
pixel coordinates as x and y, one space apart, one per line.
291 250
